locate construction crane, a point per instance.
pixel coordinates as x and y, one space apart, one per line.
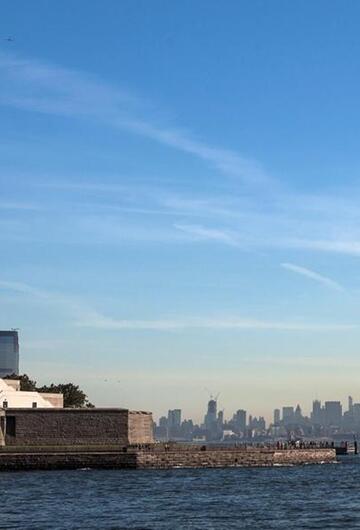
211 395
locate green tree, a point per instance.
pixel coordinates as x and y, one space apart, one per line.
74 397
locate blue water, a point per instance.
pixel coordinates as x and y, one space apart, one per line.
320 497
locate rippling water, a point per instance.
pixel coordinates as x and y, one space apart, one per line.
322 497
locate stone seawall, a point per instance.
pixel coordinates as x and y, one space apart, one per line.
287 457
66 460
233 458
138 458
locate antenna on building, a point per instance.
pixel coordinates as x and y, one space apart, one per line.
211 394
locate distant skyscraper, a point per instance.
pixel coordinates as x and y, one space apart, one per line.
356 414
221 418
276 416
288 415
174 418
9 353
163 422
240 420
211 415
333 413
298 414
173 423
316 414
350 401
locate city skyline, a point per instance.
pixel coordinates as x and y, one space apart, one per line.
179 199
228 413
327 422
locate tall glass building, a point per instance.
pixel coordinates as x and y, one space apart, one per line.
9 353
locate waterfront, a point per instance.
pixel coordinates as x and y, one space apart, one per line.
310 497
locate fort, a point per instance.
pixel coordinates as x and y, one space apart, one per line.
56 438
58 427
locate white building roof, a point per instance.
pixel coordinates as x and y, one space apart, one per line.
11 397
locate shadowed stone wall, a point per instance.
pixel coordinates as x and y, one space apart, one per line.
37 458
56 427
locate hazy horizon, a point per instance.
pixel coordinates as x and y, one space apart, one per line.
179 205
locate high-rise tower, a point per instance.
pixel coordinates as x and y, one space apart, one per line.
9 353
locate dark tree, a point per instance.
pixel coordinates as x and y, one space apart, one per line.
74 397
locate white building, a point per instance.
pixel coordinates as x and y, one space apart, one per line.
12 397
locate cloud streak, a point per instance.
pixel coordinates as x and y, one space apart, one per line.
60 91
86 317
198 232
312 275
215 324
263 216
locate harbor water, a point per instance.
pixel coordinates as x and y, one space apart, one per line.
306 497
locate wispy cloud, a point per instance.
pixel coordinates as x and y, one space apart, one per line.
25 289
198 232
225 160
312 275
19 206
228 323
70 306
349 246
263 215
81 315
56 90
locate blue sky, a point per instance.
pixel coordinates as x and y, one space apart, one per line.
179 204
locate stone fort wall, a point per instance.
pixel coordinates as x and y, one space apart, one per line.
60 427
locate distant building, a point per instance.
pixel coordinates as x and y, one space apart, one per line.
211 415
174 424
187 430
317 412
161 431
356 414
221 418
257 424
163 422
240 421
288 415
333 413
298 414
211 424
276 416
174 418
9 353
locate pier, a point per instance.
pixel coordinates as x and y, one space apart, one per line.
158 456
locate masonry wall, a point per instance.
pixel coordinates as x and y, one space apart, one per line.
173 457
140 427
304 456
208 458
66 460
33 427
73 458
56 400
